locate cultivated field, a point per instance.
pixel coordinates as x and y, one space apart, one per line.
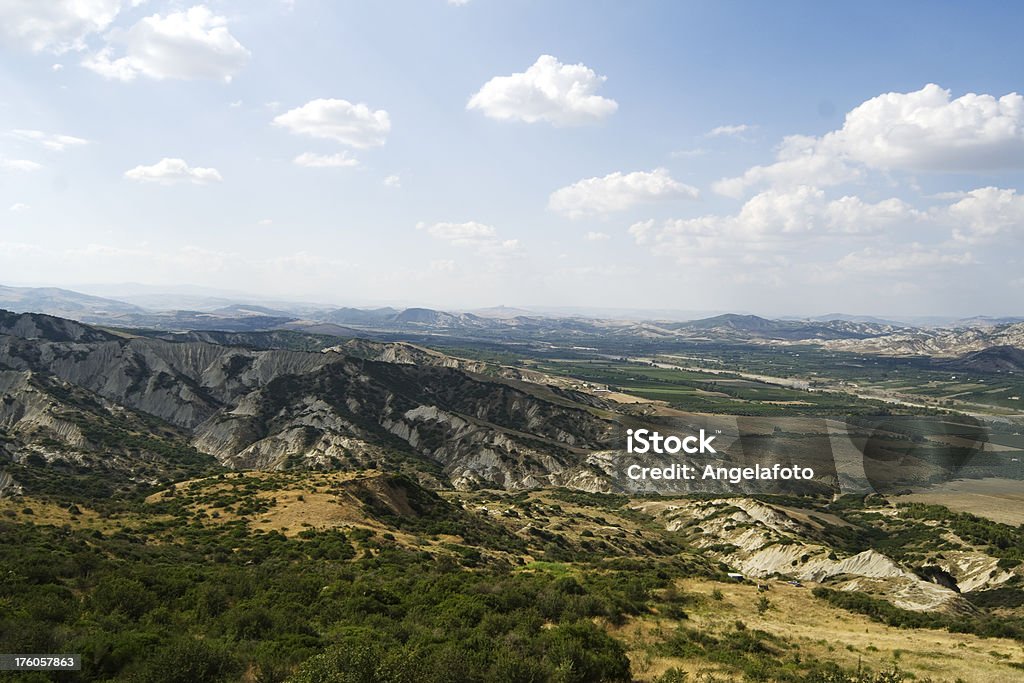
1001 500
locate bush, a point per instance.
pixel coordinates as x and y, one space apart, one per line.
186 660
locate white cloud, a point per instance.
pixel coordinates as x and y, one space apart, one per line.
393 181
851 214
51 141
642 231
778 228
597 236
562 94
23 165
355 125
617 191
188 45
773 222
458 3
986 213
732 131
340 160
57 67
171 171
443 266
55 26
800 161
460 234
18 206
484 238
925 130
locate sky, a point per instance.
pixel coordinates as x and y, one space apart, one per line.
785 158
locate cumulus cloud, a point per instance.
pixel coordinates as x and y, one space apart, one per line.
597 236
985 213
355 125
19 206
777 228
393 181
927 130
172 171
188 45
924 130
55 26
800 161
771 222
51 141
617 192
561 94
340 160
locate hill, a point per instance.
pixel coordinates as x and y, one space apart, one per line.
64 303
276 409
367 575
752 326
940 343
992 359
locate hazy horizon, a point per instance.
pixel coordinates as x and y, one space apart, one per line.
185 297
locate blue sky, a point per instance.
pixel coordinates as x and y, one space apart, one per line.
779 158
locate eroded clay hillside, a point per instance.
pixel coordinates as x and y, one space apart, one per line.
274 409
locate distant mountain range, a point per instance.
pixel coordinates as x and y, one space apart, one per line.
63 302
860 334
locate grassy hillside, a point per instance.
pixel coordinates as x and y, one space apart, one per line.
366 576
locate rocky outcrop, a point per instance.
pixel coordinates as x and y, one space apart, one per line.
8 486
762 541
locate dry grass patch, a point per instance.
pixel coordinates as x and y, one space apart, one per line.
824 633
